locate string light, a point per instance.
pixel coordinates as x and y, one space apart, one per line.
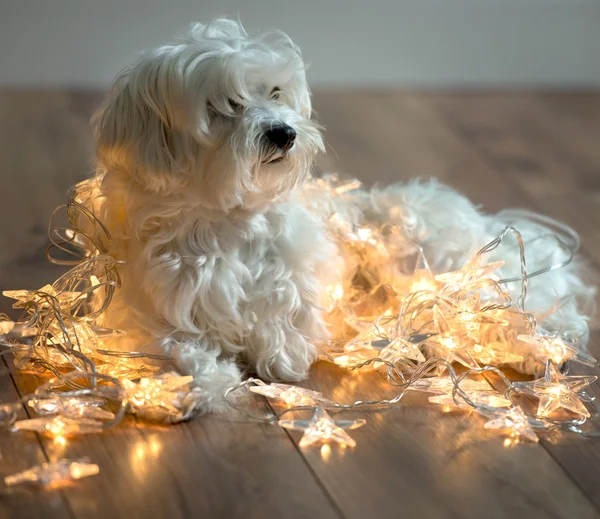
413 327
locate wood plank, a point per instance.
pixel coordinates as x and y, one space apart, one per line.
215 466
230 466
18 453
45 147
387 138
414 457
494 126
413 460
517 139
409 461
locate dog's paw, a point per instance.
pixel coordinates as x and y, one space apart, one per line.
288 362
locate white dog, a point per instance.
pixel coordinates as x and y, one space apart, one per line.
201 144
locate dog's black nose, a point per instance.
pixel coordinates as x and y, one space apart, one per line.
282 135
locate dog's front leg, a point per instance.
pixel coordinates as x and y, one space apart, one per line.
287 325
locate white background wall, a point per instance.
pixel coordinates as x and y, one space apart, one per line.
84 43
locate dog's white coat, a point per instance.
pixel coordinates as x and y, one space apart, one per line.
224 262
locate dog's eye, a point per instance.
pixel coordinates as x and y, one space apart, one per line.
236 107
275 93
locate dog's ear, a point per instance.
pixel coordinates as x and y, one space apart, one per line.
134 135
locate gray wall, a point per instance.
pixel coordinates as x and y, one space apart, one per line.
84 43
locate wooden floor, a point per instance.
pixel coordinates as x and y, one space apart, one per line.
534 150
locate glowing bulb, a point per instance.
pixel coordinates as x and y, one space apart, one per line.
155 446
448 342
423 281
336 292
325 452
364 234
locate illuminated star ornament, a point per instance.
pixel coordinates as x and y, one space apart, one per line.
290 395
401 349
554 348
409 324
514 423
60 425
54 474
321 428
557 391
470 274
165 397
451 342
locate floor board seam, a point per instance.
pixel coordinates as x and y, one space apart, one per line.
334 505
64 498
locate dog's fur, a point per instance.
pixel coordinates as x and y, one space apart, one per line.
223 262
220 256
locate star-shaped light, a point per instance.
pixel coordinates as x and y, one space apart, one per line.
122 369
321 428
291 395
470 274
335 293
15 329
160 397
372 338
452 341
554 348
515 423
24 296
60 425
423 278
54 474
400 349
72 407
557 391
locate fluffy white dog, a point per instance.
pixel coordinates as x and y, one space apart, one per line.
201 145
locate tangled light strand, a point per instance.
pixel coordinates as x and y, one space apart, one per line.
461 317
412 327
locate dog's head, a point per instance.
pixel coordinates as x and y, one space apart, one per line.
216 113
